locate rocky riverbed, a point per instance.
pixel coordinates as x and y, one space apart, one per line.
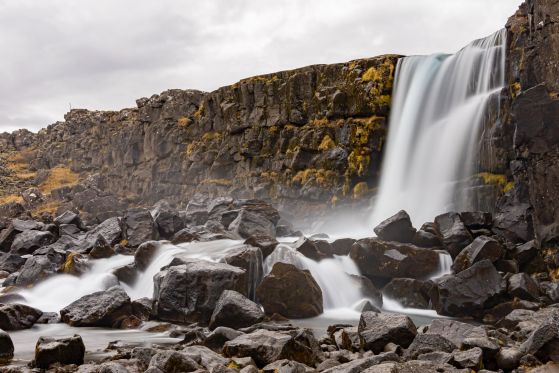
225 293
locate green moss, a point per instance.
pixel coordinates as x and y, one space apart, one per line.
360 190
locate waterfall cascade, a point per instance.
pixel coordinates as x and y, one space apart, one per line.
438 108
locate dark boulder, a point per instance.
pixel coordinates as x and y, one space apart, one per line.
48 351
172 362
311 249
69 218
45 263
189 292
396 228
455 234
384 259
474 220
427 343
377 330
187 234
6 347
266 244
101 249
508 358
217 338
103 308
543 342
409 292
342 246
11 262
248 258
145 253
469 359
266 346
522 286
514 222
234 310
30 240
469 291
481 248
455 331
290 292
140 227
428 236
168 220
110 230
368 289
18 316
249 223
525 252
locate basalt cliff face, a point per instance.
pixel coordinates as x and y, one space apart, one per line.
307 139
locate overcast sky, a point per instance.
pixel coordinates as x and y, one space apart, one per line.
104 54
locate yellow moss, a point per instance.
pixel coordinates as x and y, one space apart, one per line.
508 186
59 176
124 243
321 177
200 112
220 182
358 162
496 179
274 130
334 201
370 75
515 89
327 143
68 266
211 136
184 121
319 122
554 274
360 190
10 198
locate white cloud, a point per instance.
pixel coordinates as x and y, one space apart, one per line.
104 54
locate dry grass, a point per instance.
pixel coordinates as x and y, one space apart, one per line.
18 164
48 207
59 176
10 198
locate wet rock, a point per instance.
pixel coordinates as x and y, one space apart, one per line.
145 254
187 234
474 220
470 359
110 230
266 347
290 292
456 331
11 262
482 248
68 230
514 222
168 220
347 338
437 357
428 236
310 249
393 260
409 292
506 266
248 224
49 318
285 365
69 218
342 246
30 240
236 311
468 291
508 358
18 316
172 362
377 330
101 249
364 364
206 357
40 266
396 228
140 227
248 258
127 274
103 308
455 234
6 347
49 351
543 342
522 286
368 289
525 252
426 343
189 292
266 244
142 308
217 338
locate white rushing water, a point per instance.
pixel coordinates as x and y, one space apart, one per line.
438 108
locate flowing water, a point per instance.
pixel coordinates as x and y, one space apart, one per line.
438 109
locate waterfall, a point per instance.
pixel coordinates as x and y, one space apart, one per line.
438 108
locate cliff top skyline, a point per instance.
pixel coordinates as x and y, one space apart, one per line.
104 55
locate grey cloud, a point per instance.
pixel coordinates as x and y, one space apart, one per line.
104 54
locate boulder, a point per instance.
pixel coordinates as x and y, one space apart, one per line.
18 316
140 227
248 224
187 234
522 286
455 234
285 365
409 292
367 364
481 248
368 289
456 331
543 342
310 249
17 226
217 338
6 347
508 358
28 241
145 253
11 262
290 292
172 362
525 252
45 263
69 217
101 249
428 236
48 351
110 230
103 308
377 330
474 220
427 343
189 292
384 259
75 264
236 311
469 359
168 220
265 347
248 258
209 359
266 244
342 246
396 228
467 292
514 222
